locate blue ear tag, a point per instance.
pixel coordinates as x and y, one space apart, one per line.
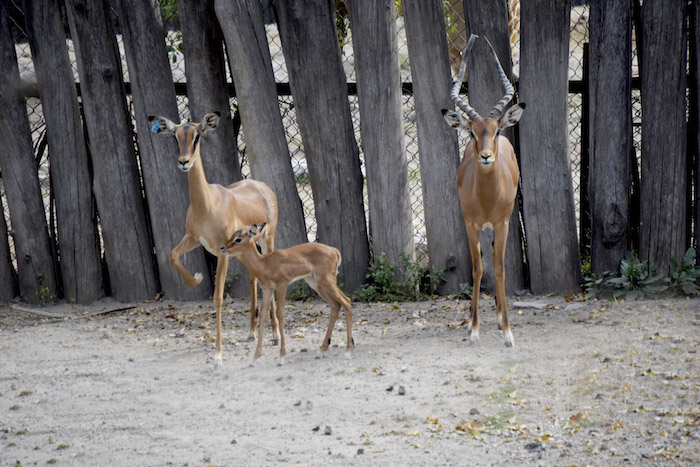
156 126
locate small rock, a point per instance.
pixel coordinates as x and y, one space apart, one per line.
474 412
303 350
327 431
316 428
402 391
390 388
534 447
234 442
297 404
361 451
222 406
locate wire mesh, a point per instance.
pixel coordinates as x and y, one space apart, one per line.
455 35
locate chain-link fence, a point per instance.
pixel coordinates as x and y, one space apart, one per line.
579 36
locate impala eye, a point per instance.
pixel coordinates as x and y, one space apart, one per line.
237 240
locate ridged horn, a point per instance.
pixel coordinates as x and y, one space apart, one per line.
498 108
454 95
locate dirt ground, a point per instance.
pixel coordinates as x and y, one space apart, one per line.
587 383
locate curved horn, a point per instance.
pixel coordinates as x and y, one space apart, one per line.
498 108
454 95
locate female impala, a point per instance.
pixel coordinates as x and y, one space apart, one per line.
316 263
487 182
215 213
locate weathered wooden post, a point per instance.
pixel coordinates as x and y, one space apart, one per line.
438 149
694 131
116 184
266 145
35 267
317 79
8 278
610 142
375 44
153 93
663 192
81 271
490 20
548 201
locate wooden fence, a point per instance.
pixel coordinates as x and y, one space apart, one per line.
117 208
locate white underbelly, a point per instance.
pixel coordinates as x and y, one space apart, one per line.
309 278
208 247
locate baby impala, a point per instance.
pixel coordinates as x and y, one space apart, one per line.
317 264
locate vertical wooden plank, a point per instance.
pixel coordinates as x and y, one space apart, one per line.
266 145
448 247
206 92
8 277
81 271
610 89
375 44
317 79
548 201
694 131
37 280
489 19
153 93
116 184
663 191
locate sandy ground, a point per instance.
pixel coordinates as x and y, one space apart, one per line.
587 383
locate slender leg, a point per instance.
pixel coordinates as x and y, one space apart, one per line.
221 270
325 290
494 258
253 306
186 244
347 307
477 272
281 297
499 251
268 246
264 310
335 309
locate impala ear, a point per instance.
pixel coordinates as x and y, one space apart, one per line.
454 119
210 121
255 229
511 117
161 124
